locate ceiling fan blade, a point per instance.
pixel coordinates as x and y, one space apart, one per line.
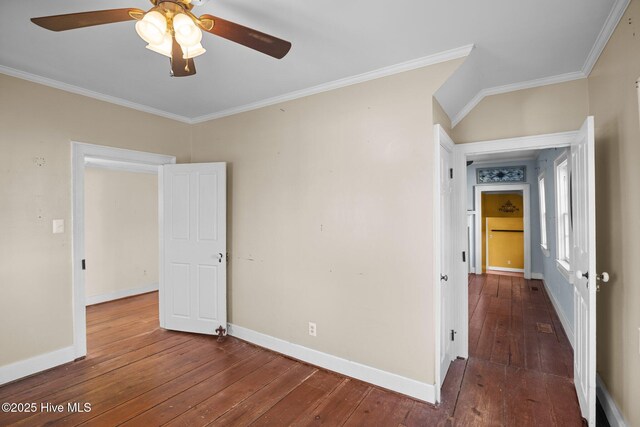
85 19
246 36
180 67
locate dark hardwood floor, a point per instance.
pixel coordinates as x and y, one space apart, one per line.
140 375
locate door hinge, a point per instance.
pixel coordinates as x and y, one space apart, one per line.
453 335
451 173
464 256
84 264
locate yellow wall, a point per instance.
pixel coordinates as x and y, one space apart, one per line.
121 231
613 101
491 204
506 248
37 125
330 219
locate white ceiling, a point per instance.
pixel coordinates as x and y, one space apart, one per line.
515 41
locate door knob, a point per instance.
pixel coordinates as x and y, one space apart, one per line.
220 256
444 277
603 277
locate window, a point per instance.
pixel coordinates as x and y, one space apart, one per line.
543 215
563 213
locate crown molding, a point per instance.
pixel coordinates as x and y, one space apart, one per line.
437 58
89 93
606 32
497 90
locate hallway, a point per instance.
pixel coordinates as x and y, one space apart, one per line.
520 366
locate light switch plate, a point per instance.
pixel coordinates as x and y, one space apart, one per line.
58 226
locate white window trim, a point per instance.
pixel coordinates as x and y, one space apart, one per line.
543 216
563 266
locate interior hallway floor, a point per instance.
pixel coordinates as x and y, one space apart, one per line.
138 374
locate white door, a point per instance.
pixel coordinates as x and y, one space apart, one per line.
193 268
583 262
446 283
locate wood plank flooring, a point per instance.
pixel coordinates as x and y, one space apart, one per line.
137 374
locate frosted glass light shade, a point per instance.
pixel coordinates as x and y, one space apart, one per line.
187 33
152 27
192 52
163 48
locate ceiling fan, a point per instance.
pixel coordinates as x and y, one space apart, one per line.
171 29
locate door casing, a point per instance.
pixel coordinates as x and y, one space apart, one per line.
89 155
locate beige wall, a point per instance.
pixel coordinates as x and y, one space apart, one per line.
545 109
37 124
440 117
330 219
613 101
121 231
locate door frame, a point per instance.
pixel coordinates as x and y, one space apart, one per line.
526 207
459 220
85 155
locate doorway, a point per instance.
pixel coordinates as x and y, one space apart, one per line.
116 159
503 219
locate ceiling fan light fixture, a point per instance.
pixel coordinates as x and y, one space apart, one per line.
186 31
193 51
163 48
152 28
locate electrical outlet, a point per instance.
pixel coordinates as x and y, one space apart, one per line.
312 329
509 262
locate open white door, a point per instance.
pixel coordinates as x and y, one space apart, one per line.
193 247
446 283
583 262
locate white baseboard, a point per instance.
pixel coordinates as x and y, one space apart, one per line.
97 299
537 276
563 317
36 364
511 270
400 384
611 410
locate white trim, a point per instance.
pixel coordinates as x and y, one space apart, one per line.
566 325
79 153
534 142
388 380
507 269
413 64
609 406
565 269
36 364
605 34
89 93
526 207
124 293
497 90
98 163
537 276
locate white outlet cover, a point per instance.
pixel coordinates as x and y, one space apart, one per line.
312 329
58 226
